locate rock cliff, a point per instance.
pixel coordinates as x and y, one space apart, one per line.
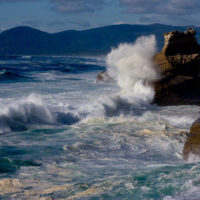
179 63
179 66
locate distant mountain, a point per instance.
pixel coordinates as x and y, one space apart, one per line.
96 41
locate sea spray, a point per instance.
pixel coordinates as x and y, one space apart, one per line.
132 67
26 111
32 111
136 156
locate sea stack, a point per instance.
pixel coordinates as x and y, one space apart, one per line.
179 64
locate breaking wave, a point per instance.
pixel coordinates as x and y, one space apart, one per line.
132 67
30 112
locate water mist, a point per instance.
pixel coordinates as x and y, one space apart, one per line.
132 67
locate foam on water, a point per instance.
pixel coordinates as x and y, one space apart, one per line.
123 147
26 57
193 158
180 121
131 66
31 111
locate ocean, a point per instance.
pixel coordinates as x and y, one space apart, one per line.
65 136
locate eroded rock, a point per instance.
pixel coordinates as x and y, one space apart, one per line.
178 42
104 77
179 66
192 145
179 63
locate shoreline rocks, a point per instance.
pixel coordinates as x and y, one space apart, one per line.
179 63
178 42
192 145
179 66
104 77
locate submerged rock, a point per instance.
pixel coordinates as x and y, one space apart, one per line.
104 77
191 149
179 63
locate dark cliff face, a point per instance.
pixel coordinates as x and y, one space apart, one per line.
177 42
179 63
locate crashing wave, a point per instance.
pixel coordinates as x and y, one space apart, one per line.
30 112
132 67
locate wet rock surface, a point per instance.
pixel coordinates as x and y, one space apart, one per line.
104 77
179 65
192 145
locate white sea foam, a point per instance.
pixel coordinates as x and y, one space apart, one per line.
30 111
27 57
180 121
168 198
133 141
132 67
193 158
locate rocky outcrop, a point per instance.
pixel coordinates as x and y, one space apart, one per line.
177 42
179 63
179 66
192 145
104 77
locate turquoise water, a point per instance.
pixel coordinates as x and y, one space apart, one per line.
64 136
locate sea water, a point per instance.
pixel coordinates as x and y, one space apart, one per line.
65 136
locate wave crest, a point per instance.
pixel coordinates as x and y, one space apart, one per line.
32 111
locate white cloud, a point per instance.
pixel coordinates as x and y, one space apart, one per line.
73 6
176 12
119 22
161 7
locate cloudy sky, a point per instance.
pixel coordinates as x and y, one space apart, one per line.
58 15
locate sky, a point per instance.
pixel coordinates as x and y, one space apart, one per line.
58 15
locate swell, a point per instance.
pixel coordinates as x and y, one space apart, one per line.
30 70
62 64
10 75
31 112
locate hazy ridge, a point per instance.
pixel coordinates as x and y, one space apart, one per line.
97 41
